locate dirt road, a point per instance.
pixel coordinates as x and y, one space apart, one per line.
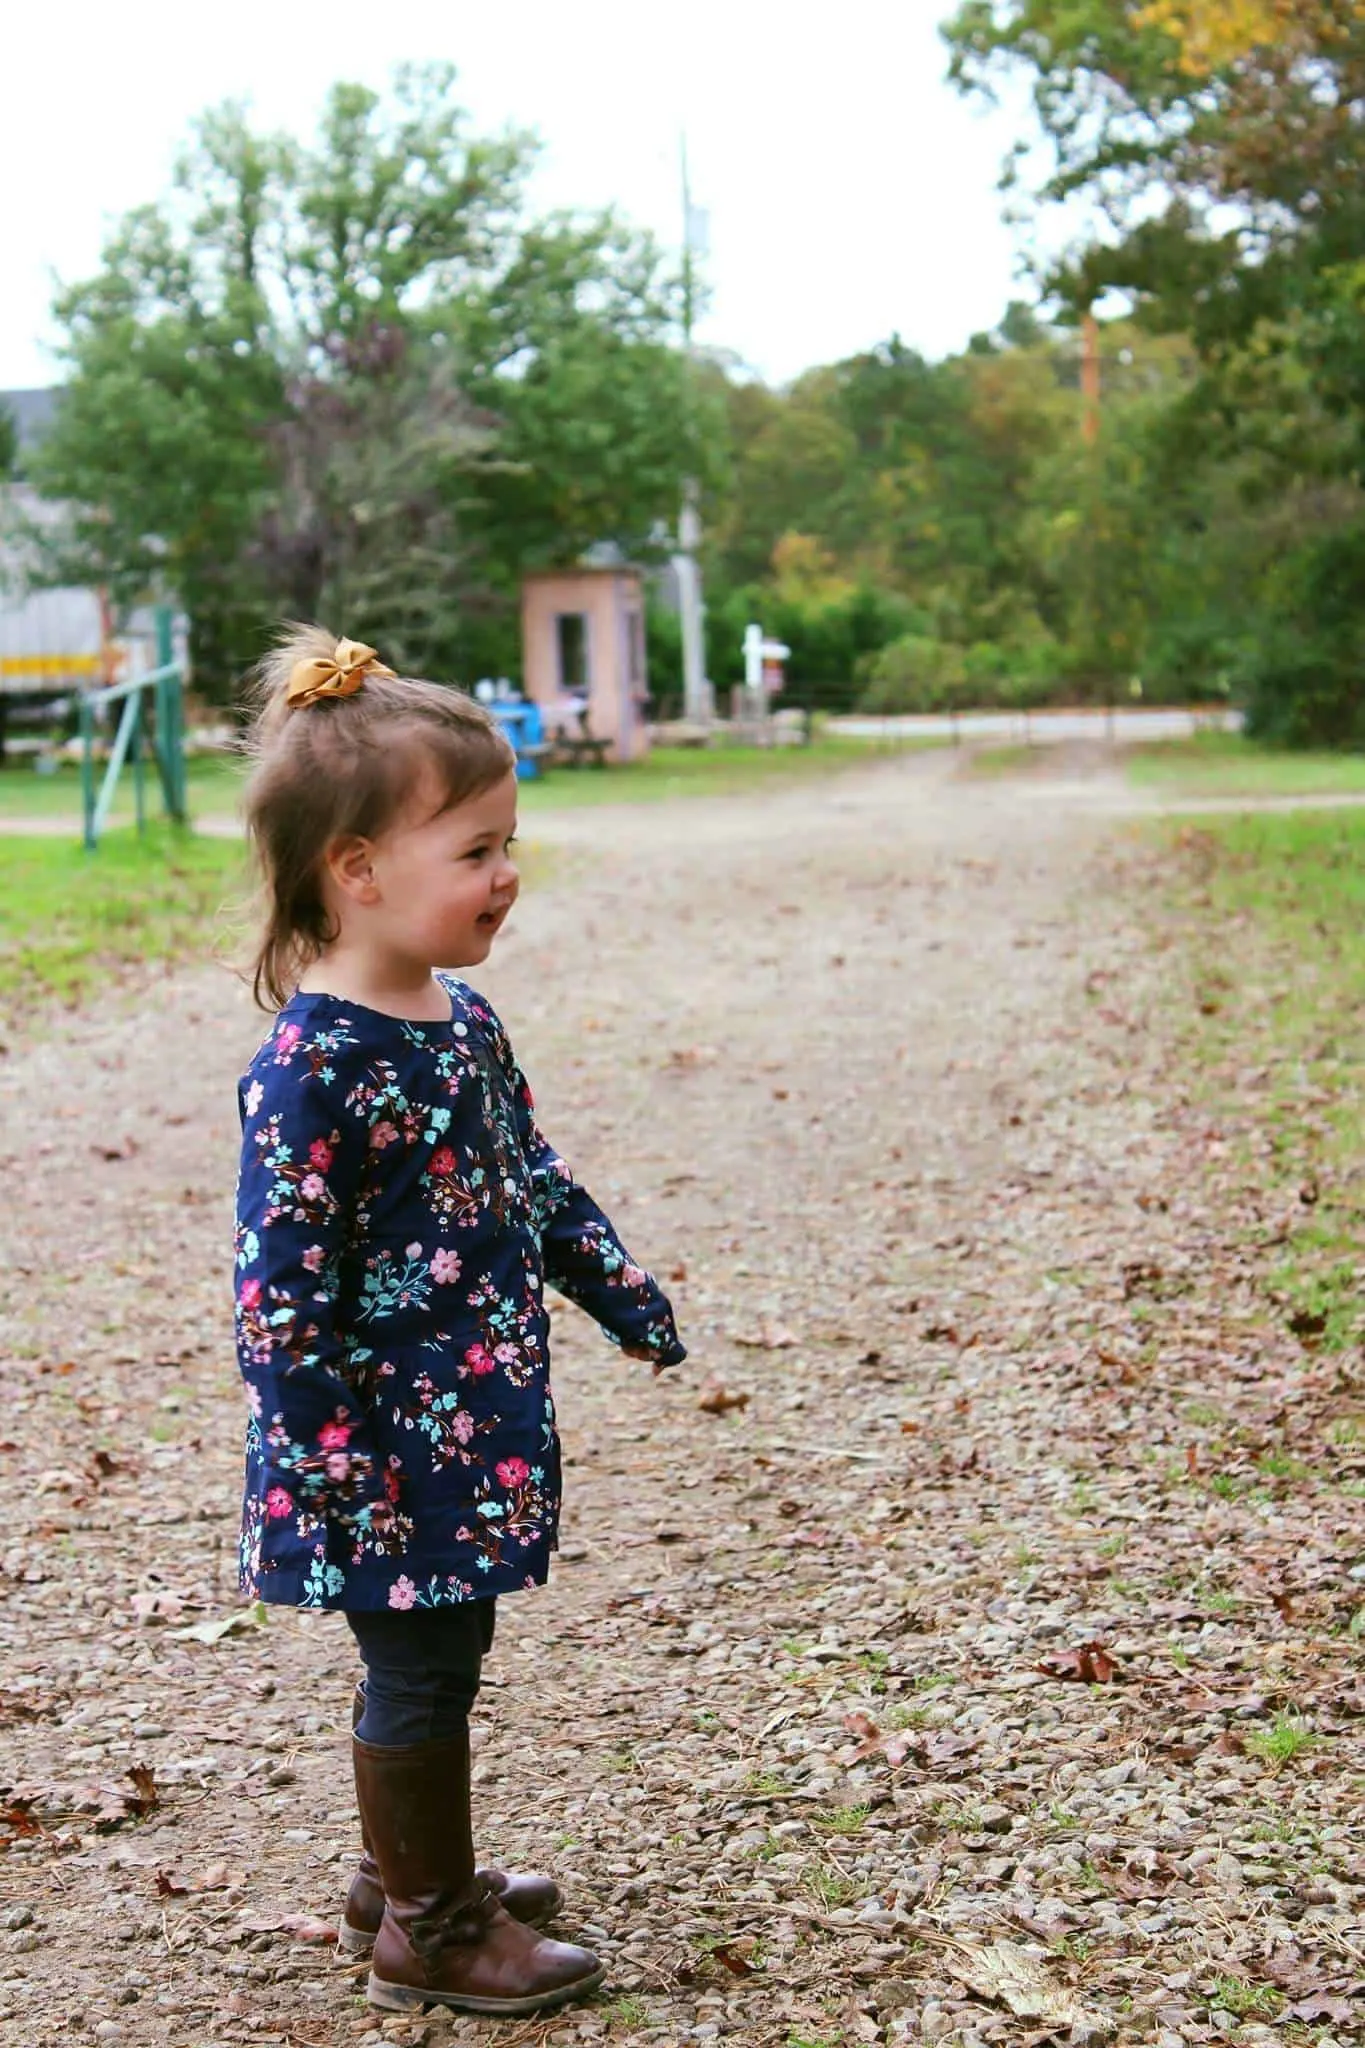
874 1071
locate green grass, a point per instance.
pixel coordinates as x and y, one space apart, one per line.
69 920
1246 2000
215 781
1223 764
1011 760
1284 1740
1279 900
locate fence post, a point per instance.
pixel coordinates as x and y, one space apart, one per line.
88 774
170 746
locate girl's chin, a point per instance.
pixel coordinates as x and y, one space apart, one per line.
474 948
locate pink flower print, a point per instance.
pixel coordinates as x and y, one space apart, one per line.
445 1268
383 1134
313 1187
320 1154
513 1472
462 1426
255 1095
313 1258
463 1535
443 1161
391 1488
337 1465
278 1504
286 1038
633 1276
403 1594
480 1360
506 1354
253 1400
250 1294
334 1436
412 1251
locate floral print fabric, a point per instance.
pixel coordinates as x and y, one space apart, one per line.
398 1215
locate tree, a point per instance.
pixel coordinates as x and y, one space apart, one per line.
1219 144
354 377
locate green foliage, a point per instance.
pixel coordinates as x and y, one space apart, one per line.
1242 125
829 637
9 444
354 381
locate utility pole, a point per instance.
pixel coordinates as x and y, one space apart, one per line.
697 706
1091 395
1090 377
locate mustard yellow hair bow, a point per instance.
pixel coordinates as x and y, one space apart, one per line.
339 674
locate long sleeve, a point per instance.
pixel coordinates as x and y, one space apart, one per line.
303 1158
584 1257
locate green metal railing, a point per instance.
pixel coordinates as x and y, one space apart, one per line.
163 735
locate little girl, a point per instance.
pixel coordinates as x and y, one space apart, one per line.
398 1216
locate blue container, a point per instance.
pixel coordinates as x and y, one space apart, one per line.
525 728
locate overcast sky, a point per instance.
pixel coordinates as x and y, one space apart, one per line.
851 192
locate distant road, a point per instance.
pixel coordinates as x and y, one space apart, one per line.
1044 727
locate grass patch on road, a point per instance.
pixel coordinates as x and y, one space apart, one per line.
1224 764
70 919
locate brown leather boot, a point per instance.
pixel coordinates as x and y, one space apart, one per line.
444 1938
527 1897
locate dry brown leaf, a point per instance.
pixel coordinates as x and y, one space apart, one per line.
1009 1975
718 1399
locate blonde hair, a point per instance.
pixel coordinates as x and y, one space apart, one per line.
339 767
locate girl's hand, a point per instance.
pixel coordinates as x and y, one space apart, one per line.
646 1354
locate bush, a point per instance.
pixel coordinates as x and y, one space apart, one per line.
1304 676
917 673
829 640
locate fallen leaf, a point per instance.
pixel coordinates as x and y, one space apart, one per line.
167 1888
717 1399
1091 1663
767 1337
1008 1975
19 1819
125 1149
1321 2005
303 1926
157 1606
237 1623
144 1795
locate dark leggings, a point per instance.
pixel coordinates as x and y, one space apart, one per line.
422 1670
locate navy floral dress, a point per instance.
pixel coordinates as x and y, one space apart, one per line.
398 1215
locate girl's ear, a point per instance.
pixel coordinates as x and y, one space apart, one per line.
350 863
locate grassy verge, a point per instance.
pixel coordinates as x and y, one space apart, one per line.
1273 912
1221 764
215 784
70 920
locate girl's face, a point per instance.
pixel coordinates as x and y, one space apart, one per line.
443 881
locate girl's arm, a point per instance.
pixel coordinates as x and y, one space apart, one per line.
303 1153
584 1258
